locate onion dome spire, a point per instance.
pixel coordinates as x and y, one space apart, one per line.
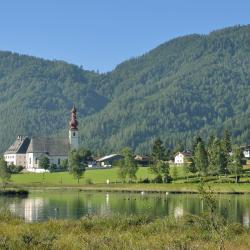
73 121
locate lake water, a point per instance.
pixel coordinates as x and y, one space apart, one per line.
41 206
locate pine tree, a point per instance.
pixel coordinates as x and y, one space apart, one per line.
226 149
4 172
77 163
127 166
200 158
236 163
215 157
158 150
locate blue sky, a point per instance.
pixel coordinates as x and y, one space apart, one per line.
99 34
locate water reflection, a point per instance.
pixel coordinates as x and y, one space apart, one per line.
42 206
29 209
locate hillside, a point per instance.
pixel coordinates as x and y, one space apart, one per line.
37 95
197 84
189 85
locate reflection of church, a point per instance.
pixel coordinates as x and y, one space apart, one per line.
26 151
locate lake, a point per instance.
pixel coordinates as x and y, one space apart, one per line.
40 206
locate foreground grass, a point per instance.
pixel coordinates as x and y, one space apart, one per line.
117 232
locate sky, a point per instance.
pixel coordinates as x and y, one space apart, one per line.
100 34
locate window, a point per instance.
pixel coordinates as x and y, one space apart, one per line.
36 160
30 160
59 161
74 133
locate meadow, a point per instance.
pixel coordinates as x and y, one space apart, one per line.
97 180
96 176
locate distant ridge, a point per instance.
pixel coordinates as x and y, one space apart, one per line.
195 84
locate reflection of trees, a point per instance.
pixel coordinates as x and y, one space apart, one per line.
75 205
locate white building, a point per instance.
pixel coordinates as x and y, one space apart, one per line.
180 157
246 152
108 160
27 151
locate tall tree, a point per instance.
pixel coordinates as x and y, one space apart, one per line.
200 158
161 170
158 150
127 166
174 172
44 163
78 163
4 172
236 163
215 157
65 164
195 143
226 149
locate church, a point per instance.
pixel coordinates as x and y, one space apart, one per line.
26 151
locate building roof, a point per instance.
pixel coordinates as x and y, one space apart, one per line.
20 145
185 153
108 157
50 146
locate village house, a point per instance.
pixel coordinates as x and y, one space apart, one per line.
143 160
180 157
108 160
27 151
246 152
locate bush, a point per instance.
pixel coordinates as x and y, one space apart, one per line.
13 169
146 180
158 179
88 181
53 167
225 180
168 179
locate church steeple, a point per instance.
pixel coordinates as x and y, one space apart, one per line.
73 122
73 130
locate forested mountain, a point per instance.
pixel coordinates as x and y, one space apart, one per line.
197 84
36 96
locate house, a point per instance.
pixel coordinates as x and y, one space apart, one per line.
143 160
246 152
16 154
27 151
108 160
180 157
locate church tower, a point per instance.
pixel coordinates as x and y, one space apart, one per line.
73 130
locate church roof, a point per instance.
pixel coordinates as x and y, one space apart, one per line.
20 145
50 146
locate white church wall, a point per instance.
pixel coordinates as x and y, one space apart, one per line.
57 159
10 158
73 139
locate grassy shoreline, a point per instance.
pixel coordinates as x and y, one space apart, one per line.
224 188
118 232
98 178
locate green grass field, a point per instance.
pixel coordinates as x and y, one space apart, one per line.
100 176
97 176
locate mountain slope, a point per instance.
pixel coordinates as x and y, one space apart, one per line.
37 95
193 84
197 84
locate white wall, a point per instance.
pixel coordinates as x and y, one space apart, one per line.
179 159
10 158
73 139
246 153
32 161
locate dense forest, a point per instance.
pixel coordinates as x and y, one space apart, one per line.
196 84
